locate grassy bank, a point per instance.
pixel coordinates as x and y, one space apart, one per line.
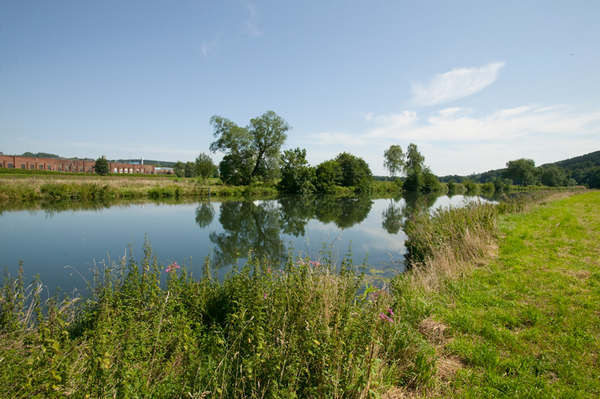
98 188
525 324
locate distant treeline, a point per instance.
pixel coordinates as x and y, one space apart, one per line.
581 170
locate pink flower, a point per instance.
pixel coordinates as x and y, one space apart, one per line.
385 317
390 311
265 295
172 267
315 263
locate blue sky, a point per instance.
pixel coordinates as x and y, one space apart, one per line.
473 84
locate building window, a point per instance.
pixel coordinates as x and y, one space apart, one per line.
31 166
22 166
42 167
11 166
115 170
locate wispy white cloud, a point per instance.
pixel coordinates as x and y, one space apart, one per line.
251 22
455 84
454 139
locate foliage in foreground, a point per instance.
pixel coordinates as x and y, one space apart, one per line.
306 331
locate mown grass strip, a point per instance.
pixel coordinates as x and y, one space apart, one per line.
528 324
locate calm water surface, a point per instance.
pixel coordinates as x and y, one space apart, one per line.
63 247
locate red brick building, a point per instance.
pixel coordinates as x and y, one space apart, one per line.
69 165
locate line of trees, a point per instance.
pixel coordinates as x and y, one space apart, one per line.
523 172
252 155
202 167
419 177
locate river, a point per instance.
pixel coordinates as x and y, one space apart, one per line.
63 245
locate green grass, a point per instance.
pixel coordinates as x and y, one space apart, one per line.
100 188
528 324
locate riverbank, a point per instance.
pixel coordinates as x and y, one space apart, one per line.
98 188
332 335
526 323
24 186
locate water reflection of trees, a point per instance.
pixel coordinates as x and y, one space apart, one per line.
399 209
205 214
257 226
344 212
248 227
392 217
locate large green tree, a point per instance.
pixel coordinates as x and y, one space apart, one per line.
355 172
190 169
296 175
204 166
413 167
328 175
553 176
414 160
251 152
522 172
394 160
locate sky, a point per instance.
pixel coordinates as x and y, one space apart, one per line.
472 83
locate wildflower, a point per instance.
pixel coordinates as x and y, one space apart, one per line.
390 311
385 317
314 263
265 295
172 267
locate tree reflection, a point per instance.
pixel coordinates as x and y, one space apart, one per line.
257 226
248 227
392 217
344 212
396 213
205 214
417 203
295 212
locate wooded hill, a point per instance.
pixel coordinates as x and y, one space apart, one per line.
584 169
